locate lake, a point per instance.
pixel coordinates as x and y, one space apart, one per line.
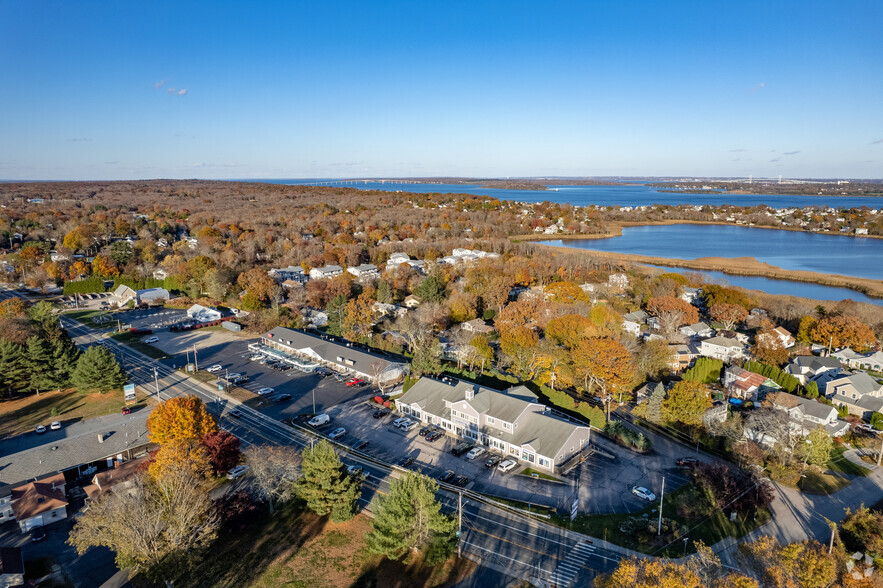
792 250
619 195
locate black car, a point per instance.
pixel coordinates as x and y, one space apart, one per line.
462 448
380 413
461 481
406 461
686 462
282 398
447 476
426 429
493 460
360 445
235 413
435 435
38 534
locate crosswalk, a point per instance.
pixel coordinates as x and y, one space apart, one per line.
569 568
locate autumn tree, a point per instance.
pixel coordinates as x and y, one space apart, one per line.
817 447
463 307
843 331
604 363
101 266
686 403
178 453
806 564
181 417
672 313
98 369
804 332
519 343
358 317
729 315
222 448
325 486
480 352
768 348
565 293
275 470
570 330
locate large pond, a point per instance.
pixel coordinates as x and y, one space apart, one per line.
792 250
618 195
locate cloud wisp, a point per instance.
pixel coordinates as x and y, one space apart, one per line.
756 87
790 152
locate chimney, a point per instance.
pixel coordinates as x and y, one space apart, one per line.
470 392
100 437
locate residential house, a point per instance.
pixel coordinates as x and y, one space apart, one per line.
160 274
682 357
807 368
366 271
863 361
292 284
618 281
631 327
644 393
716 414
779 335
316 318
162 243
746 385
117 479
723 348
512 421
40 502
203 314
632 321
12 567
690 295
412 301
699 329
859 392
340 355
124 294
806 414
292 272
329 271
477 326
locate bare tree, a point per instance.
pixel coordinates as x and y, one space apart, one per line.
275 470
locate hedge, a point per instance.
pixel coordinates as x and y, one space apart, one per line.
706 370
88 285
788 382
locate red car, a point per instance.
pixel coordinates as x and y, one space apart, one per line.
355 382
126 410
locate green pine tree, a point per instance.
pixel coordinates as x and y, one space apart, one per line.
431 289
97 369
43 314
13 368
335 310
654 404
64 360
384 292
325 486
409 518
39 359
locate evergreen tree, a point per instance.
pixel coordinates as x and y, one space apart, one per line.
431 289
410 518
98 369
39 360
654 404
336 310
325 486
64 360
13 368
384 292
42 314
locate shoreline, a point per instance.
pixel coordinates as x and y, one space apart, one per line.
614 229
741 266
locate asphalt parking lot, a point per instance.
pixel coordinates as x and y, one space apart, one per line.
151 318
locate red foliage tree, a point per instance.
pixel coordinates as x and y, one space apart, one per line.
223 450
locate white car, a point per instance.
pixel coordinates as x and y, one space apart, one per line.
319 420
151 340
642 492
507 465
55 425
337 433
214 368
40 429
354 470
475 452
410 425
401 421
237 472
265 391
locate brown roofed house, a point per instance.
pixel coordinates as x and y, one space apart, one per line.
40 502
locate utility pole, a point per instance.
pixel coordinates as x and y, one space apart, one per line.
661 496
156 381
880 453
460 524
314 400
195 364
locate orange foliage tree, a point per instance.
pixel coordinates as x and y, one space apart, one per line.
565 293
605 363
182 417
672 312
844 331
571 329
187 452
728 314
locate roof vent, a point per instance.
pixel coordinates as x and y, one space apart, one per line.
470 392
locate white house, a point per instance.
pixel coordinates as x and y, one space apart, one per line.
366 271
160 274
690 295
292 272
123 294
512 421
631 327
203 314
806 414
809 367
329 271
864 361
618 281
723 348
477 326
699 329
780 335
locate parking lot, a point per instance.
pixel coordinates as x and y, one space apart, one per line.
151 318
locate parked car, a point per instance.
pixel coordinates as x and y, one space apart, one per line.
447 476
282 398
493 460
38 534
324 372
461 481
265 391
406 461
435 435
686 462
40 429
642 492
462 448
151 340
234 376
410 425
337 433
355 382
126 410
237 472
256 357
401 421
360 445
214 368
319 420
235 413
507 465
380 413
354 470
54 425
425 430
475 452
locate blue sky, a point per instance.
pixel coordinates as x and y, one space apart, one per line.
119 90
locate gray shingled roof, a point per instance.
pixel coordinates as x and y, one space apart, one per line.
813 408
542 431
330 350
863 383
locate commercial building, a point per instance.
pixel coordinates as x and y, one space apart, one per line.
512 421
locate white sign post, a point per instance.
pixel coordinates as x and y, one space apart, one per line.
573 509
129 392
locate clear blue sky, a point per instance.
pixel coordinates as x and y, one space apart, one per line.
116 90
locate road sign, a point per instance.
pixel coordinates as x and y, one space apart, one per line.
129 392
574 508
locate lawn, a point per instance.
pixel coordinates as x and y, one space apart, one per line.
86 316
822 483
532 473
841 465
299 549
710 529
20 414
133 340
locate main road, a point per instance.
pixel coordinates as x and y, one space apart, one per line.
518 544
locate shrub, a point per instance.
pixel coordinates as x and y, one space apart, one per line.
706 370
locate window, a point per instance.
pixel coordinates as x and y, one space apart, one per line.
527 456
491 420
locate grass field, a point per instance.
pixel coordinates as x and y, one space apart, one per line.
841 465
301 550
133 340
20 414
